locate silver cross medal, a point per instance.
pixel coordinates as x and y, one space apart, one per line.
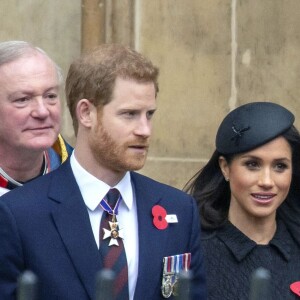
114 233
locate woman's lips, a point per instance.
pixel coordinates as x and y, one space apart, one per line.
263 198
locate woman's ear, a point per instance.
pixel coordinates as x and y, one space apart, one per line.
224 167
86 112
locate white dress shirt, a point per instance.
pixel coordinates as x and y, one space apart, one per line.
93 191
3 191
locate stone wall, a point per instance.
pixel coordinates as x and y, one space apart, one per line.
213 56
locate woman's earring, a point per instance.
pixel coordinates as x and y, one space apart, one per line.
226 178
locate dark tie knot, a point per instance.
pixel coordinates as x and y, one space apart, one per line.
112 197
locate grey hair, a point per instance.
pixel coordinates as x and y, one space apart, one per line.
12 50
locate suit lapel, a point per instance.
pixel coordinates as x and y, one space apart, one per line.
151 240
72 221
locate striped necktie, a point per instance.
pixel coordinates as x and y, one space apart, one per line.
112 248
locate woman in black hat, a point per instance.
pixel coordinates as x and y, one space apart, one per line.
254 169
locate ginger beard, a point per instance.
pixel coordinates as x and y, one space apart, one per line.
117 155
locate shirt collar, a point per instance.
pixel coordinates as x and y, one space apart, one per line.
93 190
240 245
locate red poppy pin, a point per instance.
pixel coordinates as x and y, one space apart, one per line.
295 287
159 217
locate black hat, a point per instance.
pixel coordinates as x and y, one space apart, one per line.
252 125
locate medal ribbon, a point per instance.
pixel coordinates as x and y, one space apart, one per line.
174 264
9 183
105 206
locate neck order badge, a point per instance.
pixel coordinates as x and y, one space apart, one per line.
113 252
113 199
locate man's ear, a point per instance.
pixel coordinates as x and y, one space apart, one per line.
86 112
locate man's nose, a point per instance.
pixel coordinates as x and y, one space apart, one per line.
143 127
39 109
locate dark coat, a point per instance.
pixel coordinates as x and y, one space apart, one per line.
45 228
231 258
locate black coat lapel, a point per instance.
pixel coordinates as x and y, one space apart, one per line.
151 240
72 220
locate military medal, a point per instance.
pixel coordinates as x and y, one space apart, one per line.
167 287
114 233
172 266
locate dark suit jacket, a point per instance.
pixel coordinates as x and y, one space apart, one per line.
45 228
